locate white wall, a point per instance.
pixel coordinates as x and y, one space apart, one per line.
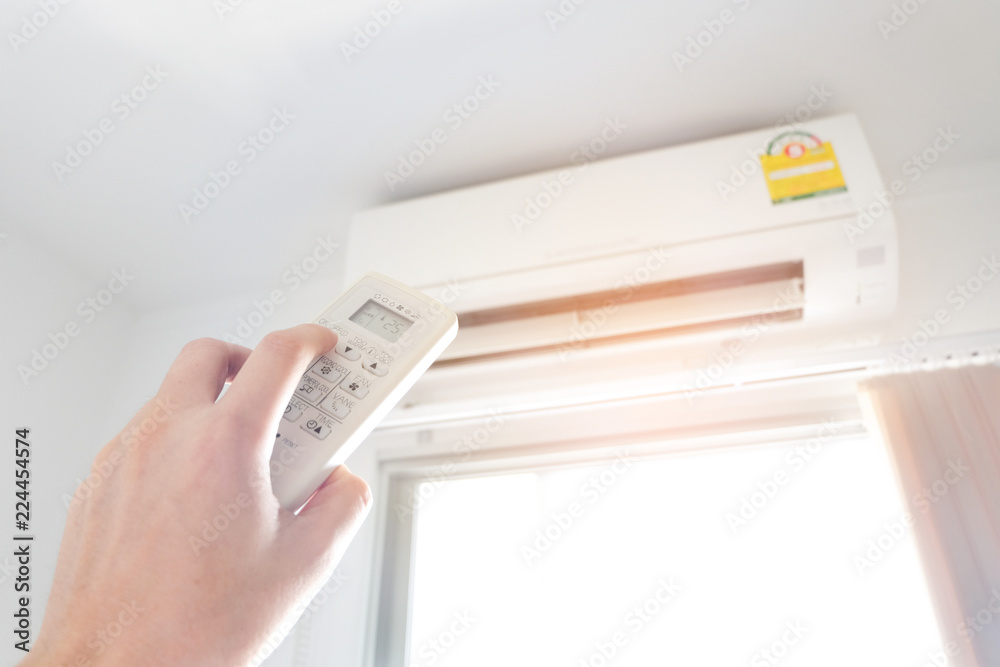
945 230
64 405
159 334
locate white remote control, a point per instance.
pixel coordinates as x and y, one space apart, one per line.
389 334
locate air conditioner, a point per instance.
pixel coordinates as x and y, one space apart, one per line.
683 242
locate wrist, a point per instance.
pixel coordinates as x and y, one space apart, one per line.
66 654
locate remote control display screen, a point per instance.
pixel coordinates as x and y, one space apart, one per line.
380 320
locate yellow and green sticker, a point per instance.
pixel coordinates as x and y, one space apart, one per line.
797 165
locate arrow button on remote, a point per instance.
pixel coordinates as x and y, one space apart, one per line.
316 429
349 352
376 368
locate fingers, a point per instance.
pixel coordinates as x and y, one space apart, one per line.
261 389
200 371
329 521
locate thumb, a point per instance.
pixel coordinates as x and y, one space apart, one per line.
330 520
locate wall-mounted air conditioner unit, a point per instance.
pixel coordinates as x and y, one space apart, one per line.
694 240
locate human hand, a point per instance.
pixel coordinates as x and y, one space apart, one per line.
140 581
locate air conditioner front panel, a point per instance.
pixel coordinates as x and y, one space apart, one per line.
650 218
600 209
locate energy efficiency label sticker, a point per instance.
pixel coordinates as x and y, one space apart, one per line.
797 165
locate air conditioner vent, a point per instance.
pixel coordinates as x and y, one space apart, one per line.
727 299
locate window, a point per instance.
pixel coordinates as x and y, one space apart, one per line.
790 553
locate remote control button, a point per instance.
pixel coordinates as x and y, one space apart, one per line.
376 368
312 390
355 388
329 371
348 352
292 412
335 404
316 429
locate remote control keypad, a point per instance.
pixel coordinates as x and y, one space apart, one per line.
330 388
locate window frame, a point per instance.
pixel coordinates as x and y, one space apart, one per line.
782 412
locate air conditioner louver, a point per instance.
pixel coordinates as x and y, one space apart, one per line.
728 299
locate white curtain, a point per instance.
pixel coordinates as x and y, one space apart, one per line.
942 429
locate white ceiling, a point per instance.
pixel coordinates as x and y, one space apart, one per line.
354 120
